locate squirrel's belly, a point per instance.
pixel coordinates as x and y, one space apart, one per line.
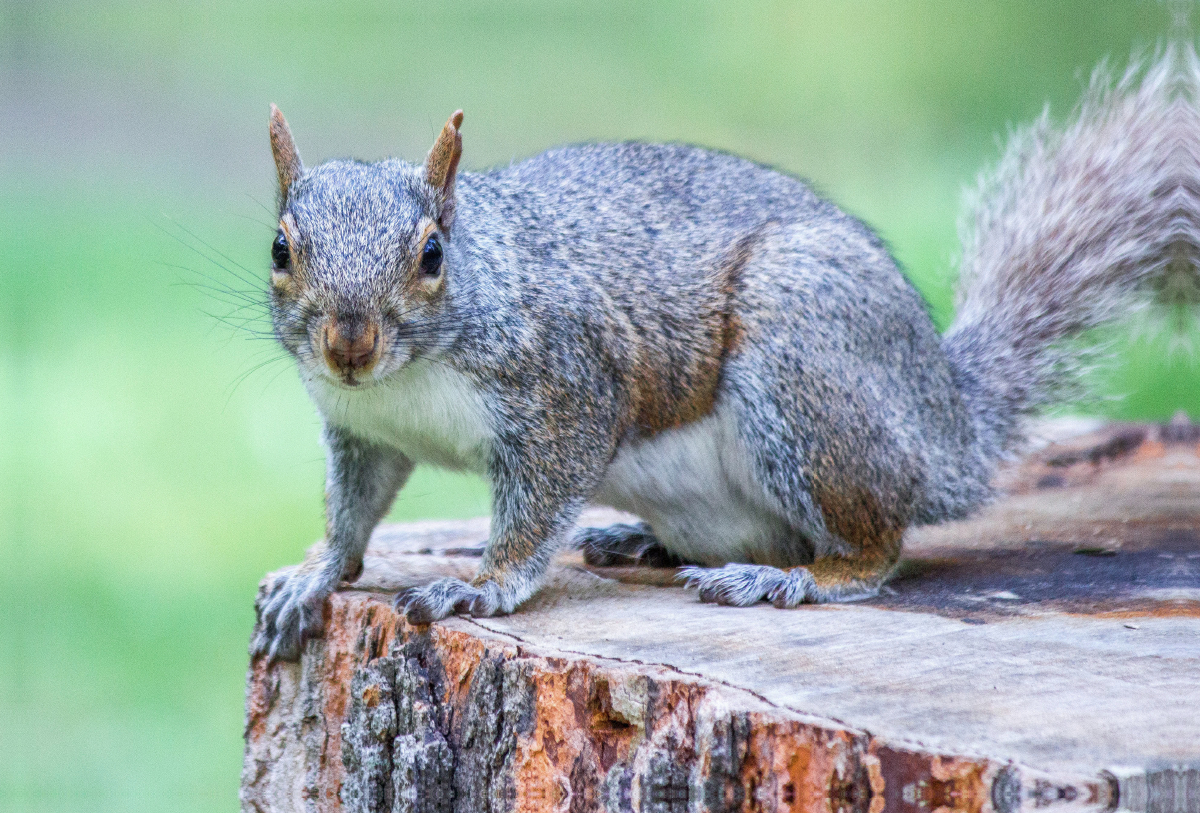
691 484
428 411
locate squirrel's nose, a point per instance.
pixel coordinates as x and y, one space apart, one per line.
350 345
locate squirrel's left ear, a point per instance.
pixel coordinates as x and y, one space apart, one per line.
441 165
287 159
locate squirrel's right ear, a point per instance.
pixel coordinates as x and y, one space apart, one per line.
441 165
287 159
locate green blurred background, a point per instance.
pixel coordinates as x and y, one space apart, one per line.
156 463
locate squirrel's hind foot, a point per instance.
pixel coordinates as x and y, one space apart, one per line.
622 545
741 585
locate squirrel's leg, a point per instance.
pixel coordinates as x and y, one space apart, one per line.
622 544
830 578
841 482
539 486
361 481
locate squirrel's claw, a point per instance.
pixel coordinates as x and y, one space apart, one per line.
741 585
290 613
449 596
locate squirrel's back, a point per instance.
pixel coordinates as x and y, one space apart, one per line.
672 204
728 274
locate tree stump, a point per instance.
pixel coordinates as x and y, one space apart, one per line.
1044 655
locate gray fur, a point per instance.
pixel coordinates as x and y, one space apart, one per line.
1176 286
678 331
1068 225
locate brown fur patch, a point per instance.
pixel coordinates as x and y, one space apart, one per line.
442 162
841 571
660 406
855 515
732 330
666 400
283 148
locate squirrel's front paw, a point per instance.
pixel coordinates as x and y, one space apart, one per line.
290 612
449 596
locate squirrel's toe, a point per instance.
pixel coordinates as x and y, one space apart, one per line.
442 598
741 585
449 596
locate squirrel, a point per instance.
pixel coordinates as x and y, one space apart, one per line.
697 339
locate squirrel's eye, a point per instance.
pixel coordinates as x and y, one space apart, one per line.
280 255
431 257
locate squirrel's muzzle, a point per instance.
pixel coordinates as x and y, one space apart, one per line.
351 346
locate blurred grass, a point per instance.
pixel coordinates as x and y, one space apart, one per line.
152 474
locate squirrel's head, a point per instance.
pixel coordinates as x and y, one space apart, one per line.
360 262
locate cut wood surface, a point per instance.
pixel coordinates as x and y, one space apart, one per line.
1043 655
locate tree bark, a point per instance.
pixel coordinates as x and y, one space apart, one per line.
1043 655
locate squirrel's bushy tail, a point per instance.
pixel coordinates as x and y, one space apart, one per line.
1067 232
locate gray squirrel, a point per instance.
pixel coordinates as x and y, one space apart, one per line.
699 340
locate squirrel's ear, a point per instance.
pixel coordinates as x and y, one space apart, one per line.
441 165
287 159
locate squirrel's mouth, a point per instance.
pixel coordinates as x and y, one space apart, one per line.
344 379
350 381
361 377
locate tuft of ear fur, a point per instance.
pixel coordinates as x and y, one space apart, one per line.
287 159
441 166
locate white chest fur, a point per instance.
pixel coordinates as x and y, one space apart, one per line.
428 411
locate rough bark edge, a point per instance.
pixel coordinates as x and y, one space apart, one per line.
454 717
